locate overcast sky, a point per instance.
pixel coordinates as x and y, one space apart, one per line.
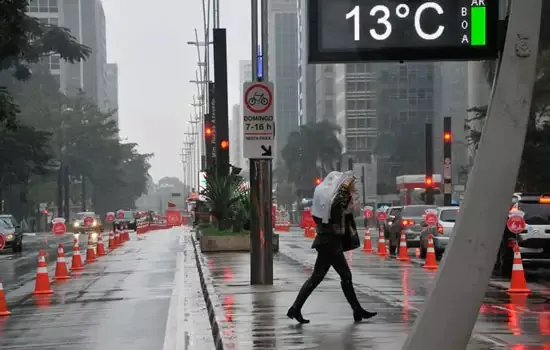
148 40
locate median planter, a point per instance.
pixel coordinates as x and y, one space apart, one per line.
230 243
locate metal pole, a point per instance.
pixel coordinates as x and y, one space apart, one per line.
447 161
462 279
261 253
429 199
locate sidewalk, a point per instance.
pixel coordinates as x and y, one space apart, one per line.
254 317
503 321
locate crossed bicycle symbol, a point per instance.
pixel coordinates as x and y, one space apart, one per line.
258 98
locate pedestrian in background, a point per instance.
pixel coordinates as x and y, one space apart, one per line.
332 211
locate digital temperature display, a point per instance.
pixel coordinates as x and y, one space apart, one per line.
401 30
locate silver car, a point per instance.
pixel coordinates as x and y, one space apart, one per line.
409 221
446 217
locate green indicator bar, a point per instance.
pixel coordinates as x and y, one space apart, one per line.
478 25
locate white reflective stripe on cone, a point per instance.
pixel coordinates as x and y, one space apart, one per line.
76 252
90 247
41 259
517 255
61 259
431 250
1 286
42 270
403 244
59 250
517 267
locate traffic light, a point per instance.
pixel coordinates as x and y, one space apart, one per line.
428 181
45 211
224 144
447 137
317 180
208 131
447 160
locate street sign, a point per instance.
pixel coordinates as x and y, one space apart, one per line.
516 223
367 213
120 214
110 216
381 216
430 218
59 228
258 120
88 221
396 30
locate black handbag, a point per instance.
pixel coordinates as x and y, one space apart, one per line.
351 239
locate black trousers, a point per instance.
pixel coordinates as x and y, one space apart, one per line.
327 258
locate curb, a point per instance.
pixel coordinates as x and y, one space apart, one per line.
216 334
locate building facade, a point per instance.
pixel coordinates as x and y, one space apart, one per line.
283 69
325 108
112 89
307 112
245 74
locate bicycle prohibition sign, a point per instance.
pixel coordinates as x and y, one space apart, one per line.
258 98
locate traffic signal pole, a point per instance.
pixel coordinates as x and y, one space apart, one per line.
261 235
448 316
447 161
221 101
429 198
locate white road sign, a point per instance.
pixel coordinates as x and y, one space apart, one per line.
258 120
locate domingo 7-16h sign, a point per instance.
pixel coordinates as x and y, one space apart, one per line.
258 120
399 30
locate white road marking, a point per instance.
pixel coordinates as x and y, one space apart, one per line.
174 337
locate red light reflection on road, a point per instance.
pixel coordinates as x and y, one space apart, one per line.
350 258
544 323
228 307
405 286
227 274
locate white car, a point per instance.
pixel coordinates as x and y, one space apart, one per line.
446 217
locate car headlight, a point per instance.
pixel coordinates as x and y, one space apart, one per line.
76 224
94 235
9 237
94 224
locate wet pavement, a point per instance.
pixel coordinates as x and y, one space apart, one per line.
511 323
136 297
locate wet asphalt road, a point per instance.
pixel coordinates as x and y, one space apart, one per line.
119 302
520 323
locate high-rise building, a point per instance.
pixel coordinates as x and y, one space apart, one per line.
245 74
307 104
86 21
283 69
235 138
325 108
49 12
112 89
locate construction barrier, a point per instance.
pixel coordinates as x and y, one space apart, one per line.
282 221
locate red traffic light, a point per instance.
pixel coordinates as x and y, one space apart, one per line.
317 181
208 131
45 211
224 144
428 182
447 137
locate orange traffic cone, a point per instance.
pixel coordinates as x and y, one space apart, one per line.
431 262
367 244
100 246
117 238
403 250
112 242
42 285
518 283
3 304
77 259
61 272
126 235
382 251
90 253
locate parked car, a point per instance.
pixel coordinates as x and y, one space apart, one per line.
12 237
442 234
408 220
534 241
129 220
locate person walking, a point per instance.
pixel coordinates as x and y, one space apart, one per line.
332 211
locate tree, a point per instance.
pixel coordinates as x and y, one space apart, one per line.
537 142
310 152
26 41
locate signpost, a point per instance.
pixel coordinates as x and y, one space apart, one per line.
258 120
110 217
59 227
381 216
120 214
397 30
431 218
516 223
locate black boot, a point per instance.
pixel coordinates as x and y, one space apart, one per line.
359 313
295 311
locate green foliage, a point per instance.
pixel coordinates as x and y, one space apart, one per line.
25 41
310 152
223 197
533 174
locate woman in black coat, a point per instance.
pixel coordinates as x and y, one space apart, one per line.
336 233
